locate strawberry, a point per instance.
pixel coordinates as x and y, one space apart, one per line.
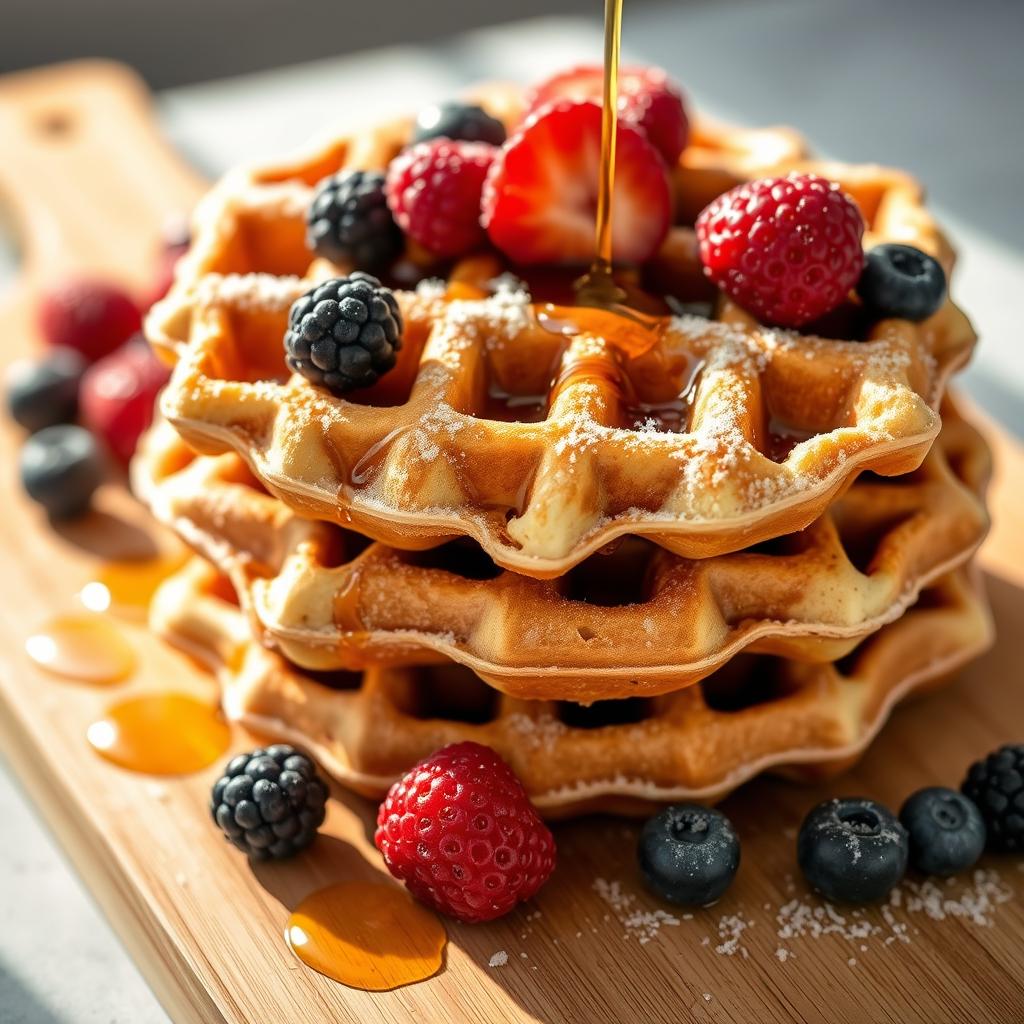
648 100
540 195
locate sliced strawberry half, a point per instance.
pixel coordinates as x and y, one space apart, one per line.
540 196
648 99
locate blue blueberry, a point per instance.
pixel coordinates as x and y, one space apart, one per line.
61 467
947 831
852 849
901 281
689 854
44 392
454 121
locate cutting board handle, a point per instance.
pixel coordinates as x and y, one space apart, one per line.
85 173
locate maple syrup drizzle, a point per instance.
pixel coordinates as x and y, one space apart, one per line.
86 648
127 587
161 734
367 936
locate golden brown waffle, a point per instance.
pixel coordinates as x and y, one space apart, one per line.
757 713
545 447
637 622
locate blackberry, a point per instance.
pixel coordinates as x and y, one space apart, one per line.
689 854
996 785
269 802
852 849
349 221
947 833
344 333
901 281
457 121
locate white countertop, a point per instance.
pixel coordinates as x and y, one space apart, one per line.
930 85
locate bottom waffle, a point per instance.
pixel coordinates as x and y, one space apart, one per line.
755 714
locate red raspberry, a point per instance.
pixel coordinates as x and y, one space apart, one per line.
433 190
786 249
461 833
91 317
118 394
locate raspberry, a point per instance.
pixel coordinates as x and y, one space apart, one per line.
786 249
434 191
461 833
91 317
118 394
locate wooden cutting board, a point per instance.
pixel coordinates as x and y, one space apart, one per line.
89 183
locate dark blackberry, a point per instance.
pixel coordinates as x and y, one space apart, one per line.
947 833
344 333
996 785
689 854
852 849
349 221
901 281
269 802
457 121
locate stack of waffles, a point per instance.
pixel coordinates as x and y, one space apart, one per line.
641 572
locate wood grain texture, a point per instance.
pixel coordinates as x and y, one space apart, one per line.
206 928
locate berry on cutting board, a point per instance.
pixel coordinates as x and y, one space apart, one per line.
270 802
43 391
461 833
457 121
852 849
996 785
349 221
434 190
901 281
92 317
648 99
689 854
541 191
118 395
344 334
61 468
946 830
786 249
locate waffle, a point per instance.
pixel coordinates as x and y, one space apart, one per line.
757 713
542 446
639 621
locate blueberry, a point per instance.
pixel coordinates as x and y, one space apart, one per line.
458 121
947 832
901 281
61 467
689 854
44 392
852 849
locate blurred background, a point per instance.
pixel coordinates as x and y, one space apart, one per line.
935 86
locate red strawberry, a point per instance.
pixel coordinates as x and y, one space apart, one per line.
433 190
92 317
541 192
648 99
118 393
460 831
786 249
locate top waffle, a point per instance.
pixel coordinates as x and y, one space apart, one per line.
541 438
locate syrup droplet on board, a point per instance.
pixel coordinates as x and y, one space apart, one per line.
86 648
373 937
161 734
128 587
